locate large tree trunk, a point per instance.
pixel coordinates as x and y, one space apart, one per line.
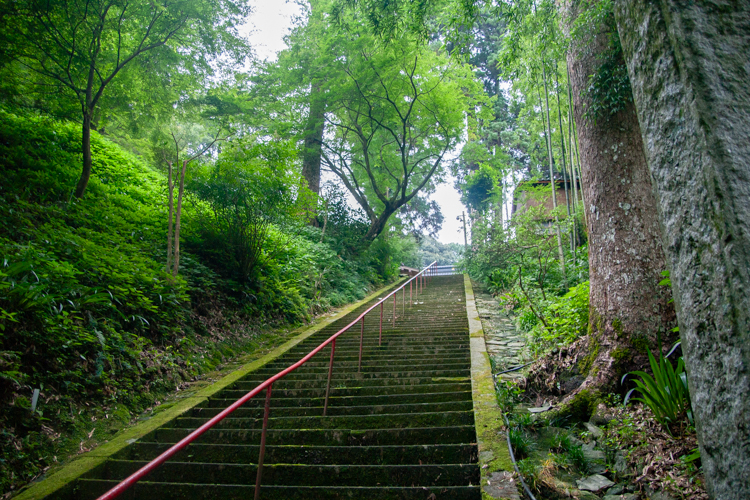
688 64
86 149
314 128
627 306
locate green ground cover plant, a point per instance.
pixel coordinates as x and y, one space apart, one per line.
90 316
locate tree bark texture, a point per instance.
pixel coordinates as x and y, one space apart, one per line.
314 128
689 67
627 306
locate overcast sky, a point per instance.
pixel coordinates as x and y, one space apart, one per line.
268 25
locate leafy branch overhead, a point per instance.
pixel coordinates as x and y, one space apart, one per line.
393 116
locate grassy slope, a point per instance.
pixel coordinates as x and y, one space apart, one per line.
87 312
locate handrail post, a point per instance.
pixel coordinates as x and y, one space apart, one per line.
262 451
380 337
394 310
403 301
330 373
361 340
410 297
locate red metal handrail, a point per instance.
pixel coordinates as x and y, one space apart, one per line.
421 278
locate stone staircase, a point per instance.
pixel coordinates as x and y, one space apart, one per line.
403 428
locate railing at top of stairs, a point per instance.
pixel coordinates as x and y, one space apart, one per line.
416 285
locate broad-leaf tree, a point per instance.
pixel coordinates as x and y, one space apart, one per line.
395 113
83 45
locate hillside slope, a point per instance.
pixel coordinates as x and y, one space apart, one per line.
87 312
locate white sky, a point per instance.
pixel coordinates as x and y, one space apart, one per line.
269 23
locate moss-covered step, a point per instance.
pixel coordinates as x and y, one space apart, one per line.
248 383
379 421
325 437
316 411
370 366
91 488
351 382
358 391
288 454
337 400
295 474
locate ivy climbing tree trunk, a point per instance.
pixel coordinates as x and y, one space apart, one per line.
688 64
627 306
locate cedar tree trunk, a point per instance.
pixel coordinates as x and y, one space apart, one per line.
312 149
689 67
627 307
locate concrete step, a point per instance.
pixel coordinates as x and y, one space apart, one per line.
92 488
358 391
351 382
314 411
346 373
379 421
342 401
288 454
324 437
295 474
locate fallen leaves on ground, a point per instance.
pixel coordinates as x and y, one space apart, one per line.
654 455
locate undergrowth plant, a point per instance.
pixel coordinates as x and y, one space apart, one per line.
520 441
88 313
665 393
562 443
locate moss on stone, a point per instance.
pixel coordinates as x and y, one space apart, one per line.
579 409
488 417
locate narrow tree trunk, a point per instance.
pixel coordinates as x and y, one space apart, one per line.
325 221
565 168
573 178
688 64
314 129
562 145
170 195
576 162
627 306
571 155
178 220
86 150
548 133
